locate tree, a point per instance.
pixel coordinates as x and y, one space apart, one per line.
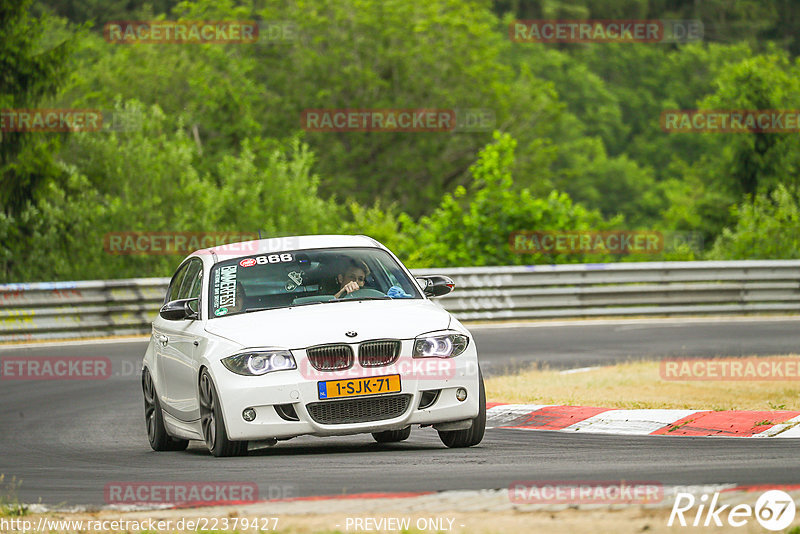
767 227
102 11
474 227
444 54
30 74
148 180
753 162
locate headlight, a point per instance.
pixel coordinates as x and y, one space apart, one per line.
440 346
258 363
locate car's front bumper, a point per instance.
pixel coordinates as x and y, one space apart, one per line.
297 388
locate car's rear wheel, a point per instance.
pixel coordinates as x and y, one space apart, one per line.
212 421
474 434
392 436
154 419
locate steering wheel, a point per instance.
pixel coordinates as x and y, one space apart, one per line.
363 293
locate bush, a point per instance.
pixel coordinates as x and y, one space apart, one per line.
767 227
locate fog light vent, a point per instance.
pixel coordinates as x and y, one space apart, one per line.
428 398
286 412
249 414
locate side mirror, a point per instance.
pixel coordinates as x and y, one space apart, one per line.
178 310
436 285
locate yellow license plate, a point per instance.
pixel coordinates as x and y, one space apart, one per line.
356 387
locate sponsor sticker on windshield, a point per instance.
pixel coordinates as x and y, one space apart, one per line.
224 289
296 279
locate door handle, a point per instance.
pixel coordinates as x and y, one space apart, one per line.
163 340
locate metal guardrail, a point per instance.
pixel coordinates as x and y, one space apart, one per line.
57 310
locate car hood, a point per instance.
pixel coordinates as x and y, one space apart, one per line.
305 326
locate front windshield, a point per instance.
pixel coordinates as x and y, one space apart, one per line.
305 277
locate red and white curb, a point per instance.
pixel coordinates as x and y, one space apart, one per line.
584 419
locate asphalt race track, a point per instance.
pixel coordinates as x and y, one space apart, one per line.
589 343
65 440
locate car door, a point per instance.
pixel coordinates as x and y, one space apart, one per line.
162 349
179 344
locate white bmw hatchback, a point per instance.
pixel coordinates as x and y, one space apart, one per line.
322 335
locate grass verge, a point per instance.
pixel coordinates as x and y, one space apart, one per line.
637 385
9 503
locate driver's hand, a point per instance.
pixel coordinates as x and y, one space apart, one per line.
351 286
348 288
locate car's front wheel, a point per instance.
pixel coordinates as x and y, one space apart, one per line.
154 419
474 434
212 422
392 436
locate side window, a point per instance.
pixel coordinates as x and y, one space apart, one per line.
194 293
175 284
190 288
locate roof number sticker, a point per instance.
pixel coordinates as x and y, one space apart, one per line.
263 260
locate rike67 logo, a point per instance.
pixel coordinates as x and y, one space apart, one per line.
774 510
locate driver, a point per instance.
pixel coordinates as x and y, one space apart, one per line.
352 278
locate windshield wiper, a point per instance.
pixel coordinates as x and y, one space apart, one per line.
248 310
290 306
317 302
312 302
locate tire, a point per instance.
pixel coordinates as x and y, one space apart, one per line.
473 435
212 421
154 419
392 436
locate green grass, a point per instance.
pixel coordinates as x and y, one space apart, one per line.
9 503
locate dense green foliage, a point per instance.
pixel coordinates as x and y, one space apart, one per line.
31 72
214 141
768 227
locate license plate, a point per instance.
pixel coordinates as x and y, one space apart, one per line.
356 387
